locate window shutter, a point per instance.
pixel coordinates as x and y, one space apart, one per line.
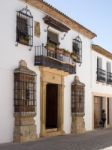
99 63
108 67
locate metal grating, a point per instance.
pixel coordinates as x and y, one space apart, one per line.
24 29
77 49
24 90
77 97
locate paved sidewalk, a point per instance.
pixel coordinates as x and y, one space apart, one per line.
96 140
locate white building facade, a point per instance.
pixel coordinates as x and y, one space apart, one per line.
26 36
101 84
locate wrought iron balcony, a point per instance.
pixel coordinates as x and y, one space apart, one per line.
109 78
101 75
54 58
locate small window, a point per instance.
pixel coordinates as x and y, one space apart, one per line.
77 49
24 30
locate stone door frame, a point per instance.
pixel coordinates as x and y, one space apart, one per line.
52 76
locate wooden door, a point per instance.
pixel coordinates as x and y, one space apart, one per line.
97 111
51 106
108 112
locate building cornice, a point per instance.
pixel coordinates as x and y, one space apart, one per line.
53 12
102 51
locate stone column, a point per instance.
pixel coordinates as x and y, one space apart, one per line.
25 128
43 108
24 103
61 109
78 125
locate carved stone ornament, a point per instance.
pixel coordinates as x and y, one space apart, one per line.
37 29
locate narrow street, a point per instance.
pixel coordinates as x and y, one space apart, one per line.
100 139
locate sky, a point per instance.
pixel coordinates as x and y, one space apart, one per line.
96 15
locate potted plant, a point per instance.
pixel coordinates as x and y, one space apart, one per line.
50 46
66 53
24 40
59 50
73 56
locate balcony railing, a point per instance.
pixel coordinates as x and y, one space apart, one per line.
54 58
101 75
109 78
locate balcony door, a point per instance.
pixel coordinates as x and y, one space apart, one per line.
109 74
52 39
101 74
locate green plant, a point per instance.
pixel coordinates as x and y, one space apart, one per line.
65 50
51 45
24 40
73 56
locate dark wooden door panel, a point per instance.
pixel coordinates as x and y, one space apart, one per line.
97 111
51 105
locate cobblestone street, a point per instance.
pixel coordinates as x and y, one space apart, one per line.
96 140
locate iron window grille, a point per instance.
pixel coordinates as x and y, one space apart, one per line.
77 97
24 29
24 90
77 49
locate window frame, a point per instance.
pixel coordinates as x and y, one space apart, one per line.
22 36
78 51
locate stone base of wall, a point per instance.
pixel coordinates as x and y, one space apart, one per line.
25 129
78 124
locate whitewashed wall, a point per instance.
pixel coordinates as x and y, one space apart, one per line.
84 73
10 55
